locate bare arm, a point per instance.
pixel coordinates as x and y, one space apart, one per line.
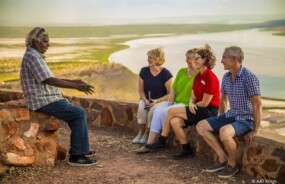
63 83
223 104
78 81
141 91
192 99
205 101
192 105
257 110
168 85
171 97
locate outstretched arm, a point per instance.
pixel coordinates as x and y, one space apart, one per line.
78 81
72 84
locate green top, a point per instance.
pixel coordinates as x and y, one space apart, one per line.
183 86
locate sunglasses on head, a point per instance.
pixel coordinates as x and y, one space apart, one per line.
41 30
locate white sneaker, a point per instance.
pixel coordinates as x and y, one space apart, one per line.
137 139
144 139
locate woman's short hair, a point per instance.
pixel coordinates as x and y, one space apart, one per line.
36 34
235 51
158 54
207 54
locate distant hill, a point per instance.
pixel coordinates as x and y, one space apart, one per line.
278 26
271 24
104 31
111 81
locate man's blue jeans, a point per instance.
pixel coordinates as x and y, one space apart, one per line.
75 116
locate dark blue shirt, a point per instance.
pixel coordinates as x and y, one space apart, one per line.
155 85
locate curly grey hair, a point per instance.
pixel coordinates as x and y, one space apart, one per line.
235 51
36 34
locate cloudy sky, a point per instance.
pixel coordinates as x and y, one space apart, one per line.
98 12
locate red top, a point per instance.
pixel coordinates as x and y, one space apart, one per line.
207 83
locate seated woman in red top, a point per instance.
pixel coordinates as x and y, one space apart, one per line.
204 103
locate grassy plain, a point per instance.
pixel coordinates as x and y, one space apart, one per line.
82 52
106 31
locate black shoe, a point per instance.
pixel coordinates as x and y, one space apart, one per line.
186 152
217 167
90 153
81 160
228 171
159 143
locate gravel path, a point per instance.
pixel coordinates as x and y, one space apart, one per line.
117 163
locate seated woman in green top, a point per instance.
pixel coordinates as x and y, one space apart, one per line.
179 96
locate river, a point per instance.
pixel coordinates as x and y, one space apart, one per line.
264 54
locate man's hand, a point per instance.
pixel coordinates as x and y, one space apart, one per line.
83 86
86 88
249 136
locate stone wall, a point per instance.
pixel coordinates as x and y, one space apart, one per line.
27 137
107 113
117 114
264 158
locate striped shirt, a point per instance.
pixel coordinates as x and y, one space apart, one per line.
34 71
239 91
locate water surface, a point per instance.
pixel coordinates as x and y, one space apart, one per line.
264 54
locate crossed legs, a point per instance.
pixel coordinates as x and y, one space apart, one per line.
174 120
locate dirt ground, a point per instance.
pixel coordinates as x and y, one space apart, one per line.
118 163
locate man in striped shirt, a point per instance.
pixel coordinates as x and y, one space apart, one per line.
42 94
240 87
